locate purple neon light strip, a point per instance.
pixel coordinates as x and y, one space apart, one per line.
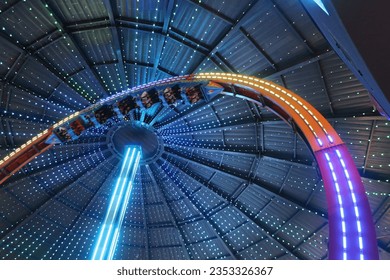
356 208
341 209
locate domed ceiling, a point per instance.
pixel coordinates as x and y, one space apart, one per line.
221 177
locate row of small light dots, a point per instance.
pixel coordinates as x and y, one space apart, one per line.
351 188
50 106
174 119
88 229
198 205
201 143
183 146
177 56
62 153
243 79
214 123
65 238
79 89
245 210
54 61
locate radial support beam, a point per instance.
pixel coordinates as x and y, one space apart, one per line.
63 29
237 24
213 11
116 40
282 15
167 18
110 229
258 48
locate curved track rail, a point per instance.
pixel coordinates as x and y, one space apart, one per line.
351 228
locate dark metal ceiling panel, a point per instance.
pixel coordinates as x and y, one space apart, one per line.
146 10
60 54
178 58
184 209
110 74
308 83
76 11
297 229
230 9
356 135
347 94
22 131
197 231
9 56
136 74
228 219
97 44
138 46
378 160
242 137
236 51
204 118
316 245
272 172
59 213
240 163
252 233
254 198
226 183
12 209
208 249
297 15
318 199
37 78
233 110
266 249
88 86
29 193
69 98
164 237
30 107
158 214
275 36
207 199
27 234
279 139
303 153
276 214
300 182
134 237
208 65
27 21
197 22
378 195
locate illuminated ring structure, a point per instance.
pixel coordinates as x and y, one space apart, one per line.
351 228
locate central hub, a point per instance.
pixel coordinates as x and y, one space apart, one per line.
137 134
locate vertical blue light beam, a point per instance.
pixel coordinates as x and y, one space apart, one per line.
109 231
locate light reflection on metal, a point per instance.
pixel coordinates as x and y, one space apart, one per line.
322 6
110 229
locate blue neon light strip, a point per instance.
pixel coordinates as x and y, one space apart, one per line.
109 232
